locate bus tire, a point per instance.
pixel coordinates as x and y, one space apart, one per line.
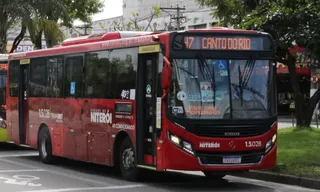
127 161
214 175
45 146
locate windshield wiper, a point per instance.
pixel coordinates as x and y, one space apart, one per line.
244 78
208 75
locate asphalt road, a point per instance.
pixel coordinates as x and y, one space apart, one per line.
21 171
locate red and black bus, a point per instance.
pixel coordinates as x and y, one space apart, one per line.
194 100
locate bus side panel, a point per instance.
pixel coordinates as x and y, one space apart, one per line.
13 119
97 121
72 129
124 122
102 124
46 112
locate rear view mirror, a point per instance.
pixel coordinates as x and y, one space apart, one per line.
166 77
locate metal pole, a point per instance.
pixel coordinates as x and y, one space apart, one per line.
292 119
316 120
178 17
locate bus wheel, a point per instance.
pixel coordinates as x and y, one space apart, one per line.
213 175
45 146
128 168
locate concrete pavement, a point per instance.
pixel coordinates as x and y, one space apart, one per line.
21 171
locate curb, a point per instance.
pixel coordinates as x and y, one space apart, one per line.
281 178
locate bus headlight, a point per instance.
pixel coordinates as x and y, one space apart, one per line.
271 143
184 145
175 139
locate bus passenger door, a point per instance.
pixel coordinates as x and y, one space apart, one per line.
75 139
23 100
146 131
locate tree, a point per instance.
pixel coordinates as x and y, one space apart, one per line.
11 11
38 27
230 12
289 22
46 20
133 24
43 17
26 13
79 9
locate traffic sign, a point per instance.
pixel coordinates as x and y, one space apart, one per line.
314 79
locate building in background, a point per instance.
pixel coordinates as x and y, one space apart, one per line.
105 25
25 44
192 16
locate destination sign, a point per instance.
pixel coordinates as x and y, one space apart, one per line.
3 66
221 42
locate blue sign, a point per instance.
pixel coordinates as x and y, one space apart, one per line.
221 64
72 88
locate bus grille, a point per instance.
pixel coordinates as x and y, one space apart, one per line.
249 157
229 130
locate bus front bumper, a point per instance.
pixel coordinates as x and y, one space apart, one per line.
177 159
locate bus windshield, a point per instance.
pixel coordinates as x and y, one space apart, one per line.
221 89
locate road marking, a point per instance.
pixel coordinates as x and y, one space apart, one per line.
88 189
58 173
21 170
19 155
278 187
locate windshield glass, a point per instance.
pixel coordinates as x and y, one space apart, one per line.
220 89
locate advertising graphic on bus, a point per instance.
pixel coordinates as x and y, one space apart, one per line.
201 100
3 79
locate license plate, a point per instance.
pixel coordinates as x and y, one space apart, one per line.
231 160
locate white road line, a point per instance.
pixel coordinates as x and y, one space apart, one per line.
21 170
58 173
88 189
20 164
19 155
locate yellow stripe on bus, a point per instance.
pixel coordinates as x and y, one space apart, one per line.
149 49
24 61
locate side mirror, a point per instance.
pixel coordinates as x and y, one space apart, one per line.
166 81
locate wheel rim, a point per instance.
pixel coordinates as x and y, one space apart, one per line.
44 147
128 159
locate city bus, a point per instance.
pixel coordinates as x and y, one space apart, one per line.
199 100
3 79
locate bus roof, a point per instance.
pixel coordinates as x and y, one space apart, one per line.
111 40
103 37
97 42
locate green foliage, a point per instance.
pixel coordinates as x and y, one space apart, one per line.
288 21
298 152
11 12
230 12
81 9
36 27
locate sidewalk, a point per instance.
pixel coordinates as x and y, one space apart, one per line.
286 121
281 178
